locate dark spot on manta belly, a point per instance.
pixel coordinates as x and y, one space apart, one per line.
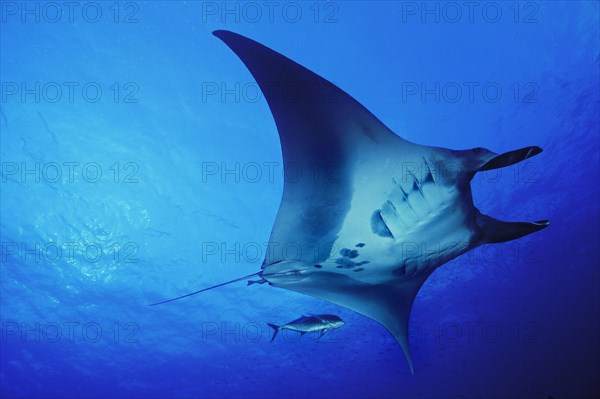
360 269
318 266
360 244
345 261
349 253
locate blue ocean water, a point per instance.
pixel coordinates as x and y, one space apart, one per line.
140 162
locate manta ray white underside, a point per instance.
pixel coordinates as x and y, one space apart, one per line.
381 214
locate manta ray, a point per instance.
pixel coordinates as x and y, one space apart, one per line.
369 215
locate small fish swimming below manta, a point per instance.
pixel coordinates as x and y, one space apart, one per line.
382 214
320 323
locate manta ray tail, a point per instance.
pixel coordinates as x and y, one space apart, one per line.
496 231
206 289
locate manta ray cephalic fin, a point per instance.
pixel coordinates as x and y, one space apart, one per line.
496 231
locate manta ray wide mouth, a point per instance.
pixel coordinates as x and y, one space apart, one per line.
378 225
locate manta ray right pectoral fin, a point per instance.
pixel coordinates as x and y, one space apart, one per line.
496 231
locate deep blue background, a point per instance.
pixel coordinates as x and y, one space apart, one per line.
519 319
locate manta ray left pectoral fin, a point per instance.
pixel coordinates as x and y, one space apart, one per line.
394 315
496 231
389 304
391 307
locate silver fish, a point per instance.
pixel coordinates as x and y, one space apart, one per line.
320 323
